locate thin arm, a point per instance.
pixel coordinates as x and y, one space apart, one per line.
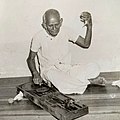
85 42
31 62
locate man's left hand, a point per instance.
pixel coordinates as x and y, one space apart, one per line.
86 18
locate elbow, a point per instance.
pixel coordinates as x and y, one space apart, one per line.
28 60
86 46
83 44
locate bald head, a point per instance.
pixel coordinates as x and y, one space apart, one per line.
52 22
51 13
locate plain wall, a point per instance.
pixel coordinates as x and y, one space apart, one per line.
21 19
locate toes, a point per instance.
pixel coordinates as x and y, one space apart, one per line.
99 81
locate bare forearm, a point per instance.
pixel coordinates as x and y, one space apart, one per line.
32 66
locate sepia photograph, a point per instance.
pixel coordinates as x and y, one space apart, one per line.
59 60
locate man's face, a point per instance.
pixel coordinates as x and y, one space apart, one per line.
53 24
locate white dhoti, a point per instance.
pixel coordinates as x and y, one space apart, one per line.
71 79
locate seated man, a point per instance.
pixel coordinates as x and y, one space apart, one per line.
51 46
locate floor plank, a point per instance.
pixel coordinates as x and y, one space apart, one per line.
14 81
103 102
86 117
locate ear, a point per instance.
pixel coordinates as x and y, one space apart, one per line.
44 25
61 21
44 22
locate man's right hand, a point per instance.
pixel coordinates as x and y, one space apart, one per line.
37 79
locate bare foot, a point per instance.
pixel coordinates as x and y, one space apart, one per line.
18 97
98 81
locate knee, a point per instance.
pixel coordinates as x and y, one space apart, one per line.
92 70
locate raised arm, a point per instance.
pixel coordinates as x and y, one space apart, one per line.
85 42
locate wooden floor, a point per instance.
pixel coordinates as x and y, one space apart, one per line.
103 102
